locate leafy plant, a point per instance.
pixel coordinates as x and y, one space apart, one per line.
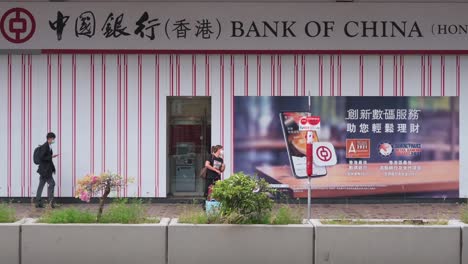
244 200
7 214
92 185
68 216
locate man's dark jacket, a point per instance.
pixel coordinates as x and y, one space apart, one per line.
46 165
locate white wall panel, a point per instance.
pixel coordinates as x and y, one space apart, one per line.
109 111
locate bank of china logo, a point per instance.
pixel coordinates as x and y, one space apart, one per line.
385 149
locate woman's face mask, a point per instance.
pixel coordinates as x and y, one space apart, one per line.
221 153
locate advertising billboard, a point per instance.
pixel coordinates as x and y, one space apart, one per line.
385 146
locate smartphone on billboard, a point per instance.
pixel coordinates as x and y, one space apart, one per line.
296 145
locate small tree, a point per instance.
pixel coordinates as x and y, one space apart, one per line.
92 185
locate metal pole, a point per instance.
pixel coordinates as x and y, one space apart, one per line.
309 203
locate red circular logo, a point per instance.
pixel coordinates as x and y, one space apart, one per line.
17 25
323 153
303 121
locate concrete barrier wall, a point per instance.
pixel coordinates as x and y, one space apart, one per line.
10 243
358 244
94 243
26 242
234 244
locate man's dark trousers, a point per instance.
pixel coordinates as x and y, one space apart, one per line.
50 189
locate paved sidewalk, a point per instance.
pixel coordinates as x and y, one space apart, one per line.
359 211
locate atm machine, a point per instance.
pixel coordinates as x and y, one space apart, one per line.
185 167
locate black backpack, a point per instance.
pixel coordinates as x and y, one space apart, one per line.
36 155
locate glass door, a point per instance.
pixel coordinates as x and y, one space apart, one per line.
189 139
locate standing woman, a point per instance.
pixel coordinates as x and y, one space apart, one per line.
215 166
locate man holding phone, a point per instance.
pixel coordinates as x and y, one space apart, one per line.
46 170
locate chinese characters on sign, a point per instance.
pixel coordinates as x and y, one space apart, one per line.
117 25
378 121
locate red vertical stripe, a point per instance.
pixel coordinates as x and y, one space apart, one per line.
259 75
273 75
458 74
402 75
140 96
232 112
442 74
59 121
320 75
103 113
303 76
178 74
423 75
339 75
156 190
361 75
119 119
381 76
221 68
49 93
395 76
207 74
194 75
74 124
246 75
23 124
171 74
9 145
332 75
30 125
92 116
279 74
296 76
429 60
126 123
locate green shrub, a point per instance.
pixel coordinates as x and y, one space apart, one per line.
286 215
68 216
7 214
243 199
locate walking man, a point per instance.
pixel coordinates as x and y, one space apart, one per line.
45 170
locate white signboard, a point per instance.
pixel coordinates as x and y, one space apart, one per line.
324 154
211 26
308 123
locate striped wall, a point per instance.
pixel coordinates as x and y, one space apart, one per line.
109 110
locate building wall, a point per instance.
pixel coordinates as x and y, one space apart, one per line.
109 111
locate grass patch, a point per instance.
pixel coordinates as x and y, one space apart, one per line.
119 212
464 214
287 216
127 213
368 222
68 216
7 214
